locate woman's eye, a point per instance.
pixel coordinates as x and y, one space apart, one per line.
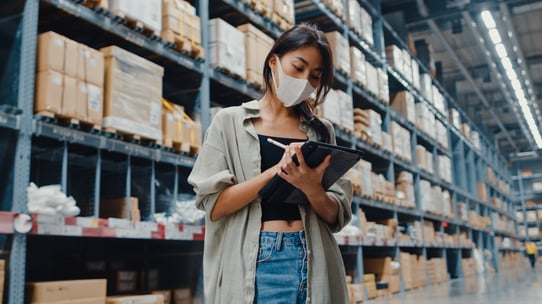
298 68
315 77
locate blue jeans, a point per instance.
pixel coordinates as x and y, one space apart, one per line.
281 269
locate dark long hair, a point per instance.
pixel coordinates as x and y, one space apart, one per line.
303 35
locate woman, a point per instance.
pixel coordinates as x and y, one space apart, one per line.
256 252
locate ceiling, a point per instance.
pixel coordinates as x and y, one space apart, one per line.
465 64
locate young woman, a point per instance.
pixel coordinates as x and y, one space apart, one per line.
255 251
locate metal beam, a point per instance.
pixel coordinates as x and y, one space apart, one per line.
515 106
436 31
512 35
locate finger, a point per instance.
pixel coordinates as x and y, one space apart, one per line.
300 157
324 164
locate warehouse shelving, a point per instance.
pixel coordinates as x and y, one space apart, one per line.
202 86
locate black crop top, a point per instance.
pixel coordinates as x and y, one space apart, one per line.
271 155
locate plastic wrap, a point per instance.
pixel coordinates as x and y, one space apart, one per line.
133 94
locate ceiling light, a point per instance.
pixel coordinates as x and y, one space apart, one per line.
506 63
488 19
495 36
501 50
511 74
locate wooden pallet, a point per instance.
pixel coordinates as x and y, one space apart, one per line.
134 24
100 6
130 137
281 23
182 44
66 121
228 72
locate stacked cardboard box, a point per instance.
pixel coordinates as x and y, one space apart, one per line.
179 131
354 16
384 271
139 299
133 94
394 56
444 168
441 134
75 291
283 13
482 191
368 122
338 108
401 141
416 80
404 188
387 143
383 87
424 158
121 208
420 274
227 47
358 71
182 26
462 211
447 208
340 51
438 100
356 291
257 45
183 296
382 186
475 140
403 102
426 86
455 118
369 281
69 80
407 270
469 267
360 175
336 6
425 119
436 269
372 79
465 130
146 12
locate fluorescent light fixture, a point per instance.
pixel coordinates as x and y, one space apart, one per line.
501 50
495 36
488 19
515 84
506 63
511 74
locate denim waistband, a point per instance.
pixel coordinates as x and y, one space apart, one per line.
286 238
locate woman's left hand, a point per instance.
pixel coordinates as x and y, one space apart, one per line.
303 177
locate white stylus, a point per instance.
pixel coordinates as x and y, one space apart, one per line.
276 143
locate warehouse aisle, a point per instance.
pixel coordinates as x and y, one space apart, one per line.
517 286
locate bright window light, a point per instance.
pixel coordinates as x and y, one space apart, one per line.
501 50
488 19
506 63
495 36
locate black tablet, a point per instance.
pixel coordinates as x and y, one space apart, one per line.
277 190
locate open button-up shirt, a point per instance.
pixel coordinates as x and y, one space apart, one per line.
230 155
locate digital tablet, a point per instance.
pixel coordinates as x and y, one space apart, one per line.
277 190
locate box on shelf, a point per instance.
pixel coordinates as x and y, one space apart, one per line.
51 52
358 70
181 26
340 51
139 299
119 208
257 45
403 102
133 94
73 291
283 12
49 86
227 47
146 12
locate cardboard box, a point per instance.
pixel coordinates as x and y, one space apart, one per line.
257 45
148 12
119 207
69 98
227 47
183 296
51 52
94 102
44 292
403 102
139 299
133 94
165 293
49 91
379 266
90 65
340 51
71 63
357 68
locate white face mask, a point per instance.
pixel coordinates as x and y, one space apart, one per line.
292 91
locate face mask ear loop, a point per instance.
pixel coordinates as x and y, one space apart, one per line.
273 74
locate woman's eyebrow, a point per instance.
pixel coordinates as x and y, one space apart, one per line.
320 69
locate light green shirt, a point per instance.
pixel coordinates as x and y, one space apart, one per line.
230 155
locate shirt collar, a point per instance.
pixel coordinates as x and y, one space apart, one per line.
252 110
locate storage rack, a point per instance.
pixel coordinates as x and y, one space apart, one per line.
192 83
527 173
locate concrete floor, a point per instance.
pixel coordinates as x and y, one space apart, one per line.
511 286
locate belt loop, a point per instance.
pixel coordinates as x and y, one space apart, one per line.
278 242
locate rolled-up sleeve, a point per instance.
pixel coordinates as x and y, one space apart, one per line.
210 174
